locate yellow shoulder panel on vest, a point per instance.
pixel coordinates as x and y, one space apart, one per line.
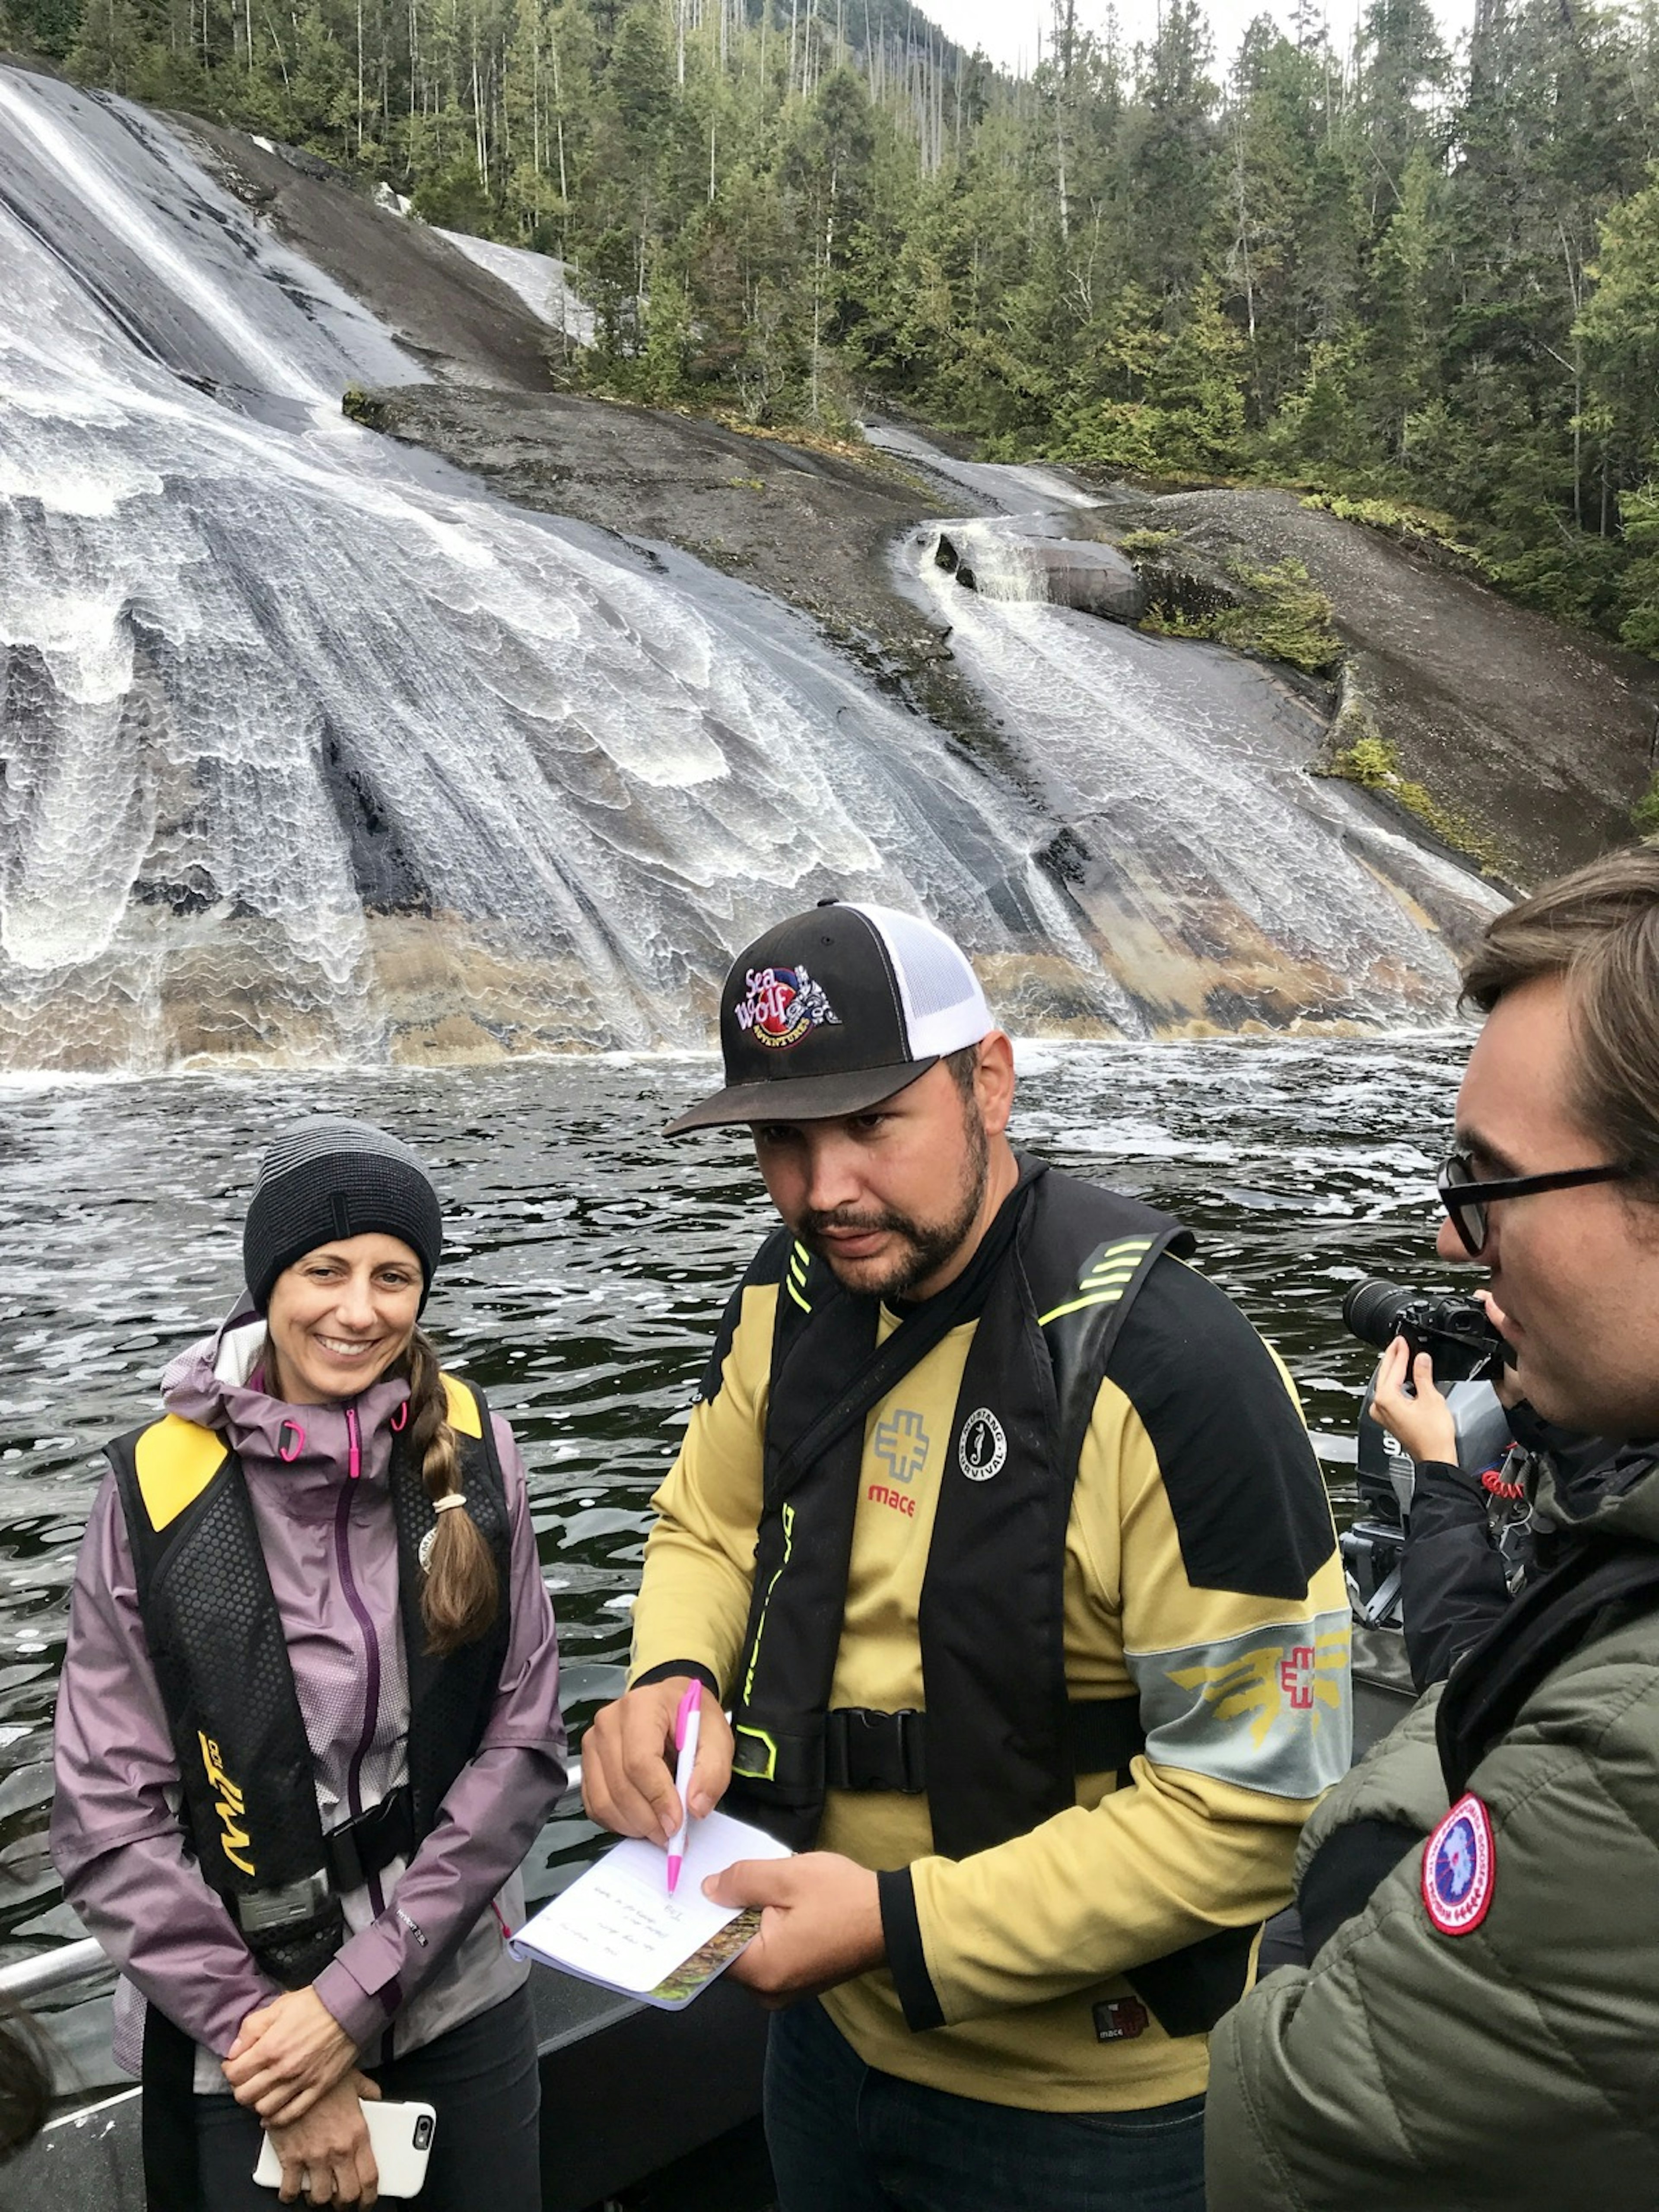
463 1408
176 1460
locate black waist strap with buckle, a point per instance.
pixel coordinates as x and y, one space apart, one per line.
352 1852
864 1749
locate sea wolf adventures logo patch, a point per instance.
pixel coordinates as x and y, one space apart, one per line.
1458 1867
781 1006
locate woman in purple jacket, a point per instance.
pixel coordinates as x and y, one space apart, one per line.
308 1726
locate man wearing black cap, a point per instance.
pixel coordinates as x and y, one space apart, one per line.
998 1529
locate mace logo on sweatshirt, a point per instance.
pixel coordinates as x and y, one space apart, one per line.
229 1806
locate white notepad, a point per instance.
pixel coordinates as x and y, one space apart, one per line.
617 1925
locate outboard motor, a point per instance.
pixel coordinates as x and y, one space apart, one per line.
1468 1352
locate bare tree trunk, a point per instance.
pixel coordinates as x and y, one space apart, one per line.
558 118
1575 293
480 146
1065 39
1244 245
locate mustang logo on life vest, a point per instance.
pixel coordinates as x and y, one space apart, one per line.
230 1806
782 1005
982 1448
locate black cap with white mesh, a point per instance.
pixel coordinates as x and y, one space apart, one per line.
836 1009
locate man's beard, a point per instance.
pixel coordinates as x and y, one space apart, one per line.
926 1246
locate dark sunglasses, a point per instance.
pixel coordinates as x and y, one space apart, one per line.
1466 1200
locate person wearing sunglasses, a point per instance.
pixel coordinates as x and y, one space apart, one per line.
1477 2026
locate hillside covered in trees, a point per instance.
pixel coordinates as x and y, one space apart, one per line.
1388 273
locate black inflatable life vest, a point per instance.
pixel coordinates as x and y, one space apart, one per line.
1002 1743
222 1664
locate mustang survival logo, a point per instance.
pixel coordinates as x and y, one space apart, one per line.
782 1005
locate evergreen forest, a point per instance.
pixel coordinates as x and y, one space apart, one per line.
1423 284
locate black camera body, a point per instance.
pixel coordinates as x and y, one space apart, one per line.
1456 1332
1466 1352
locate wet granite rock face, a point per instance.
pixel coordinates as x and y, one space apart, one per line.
809 523
1093 578
1535 735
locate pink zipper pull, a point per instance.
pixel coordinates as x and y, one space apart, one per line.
355 1462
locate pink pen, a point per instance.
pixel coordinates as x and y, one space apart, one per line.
687 1722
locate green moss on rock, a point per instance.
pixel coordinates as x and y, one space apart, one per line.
1423 528
360 406
1276 613
1285 616
1370 761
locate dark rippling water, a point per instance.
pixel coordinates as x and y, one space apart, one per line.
587 1264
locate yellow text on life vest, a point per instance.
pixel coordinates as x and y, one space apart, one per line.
229 1806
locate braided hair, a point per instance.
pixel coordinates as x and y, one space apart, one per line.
462 1593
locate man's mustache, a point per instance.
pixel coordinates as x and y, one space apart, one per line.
843 1218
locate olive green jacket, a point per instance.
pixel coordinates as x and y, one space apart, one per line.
1515 2064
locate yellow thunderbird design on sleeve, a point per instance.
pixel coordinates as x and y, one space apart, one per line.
1269 1709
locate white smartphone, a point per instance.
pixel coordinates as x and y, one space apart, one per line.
400 2136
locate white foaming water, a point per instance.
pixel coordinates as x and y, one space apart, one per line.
540 280
1001 487
315 752
173 257
1181 771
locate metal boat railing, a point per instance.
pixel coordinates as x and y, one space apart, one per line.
73 1962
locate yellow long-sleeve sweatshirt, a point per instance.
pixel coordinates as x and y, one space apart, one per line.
1197 1491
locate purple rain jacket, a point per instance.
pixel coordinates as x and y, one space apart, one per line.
330 1548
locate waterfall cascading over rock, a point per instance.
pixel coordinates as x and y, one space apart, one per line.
1225 879
311 751
540 280
1225 885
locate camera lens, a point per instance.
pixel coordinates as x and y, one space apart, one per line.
1372 1310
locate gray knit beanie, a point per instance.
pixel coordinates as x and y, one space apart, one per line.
333 1178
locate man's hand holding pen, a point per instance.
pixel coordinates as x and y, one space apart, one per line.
821 1913
628 1762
